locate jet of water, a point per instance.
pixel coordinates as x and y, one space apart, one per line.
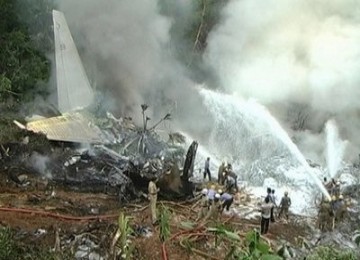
335 148
252 132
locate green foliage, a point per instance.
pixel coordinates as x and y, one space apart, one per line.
221 232
254 248
226 233
23 67
5 86
323 252
165 215
188 225
124 248
9 132
7 245
37 16
8 18
257 248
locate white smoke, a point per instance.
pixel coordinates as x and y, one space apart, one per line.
40 163
290 50
125 40
128 42
127 47
281 51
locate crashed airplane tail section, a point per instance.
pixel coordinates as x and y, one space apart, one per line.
73 87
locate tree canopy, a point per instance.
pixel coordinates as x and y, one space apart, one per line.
24 42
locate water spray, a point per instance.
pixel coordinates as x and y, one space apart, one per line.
254 119
335 148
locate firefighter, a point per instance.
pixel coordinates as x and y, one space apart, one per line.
231 179
152 196
336 189
340 209
326 216
285 204
221 173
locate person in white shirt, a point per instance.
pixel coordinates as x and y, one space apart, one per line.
265 215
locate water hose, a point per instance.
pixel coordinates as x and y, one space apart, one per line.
57 215
163 250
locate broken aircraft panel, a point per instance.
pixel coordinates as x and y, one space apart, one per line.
69 127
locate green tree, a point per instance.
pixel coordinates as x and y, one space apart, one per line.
24 69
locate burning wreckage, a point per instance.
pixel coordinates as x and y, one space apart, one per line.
120 158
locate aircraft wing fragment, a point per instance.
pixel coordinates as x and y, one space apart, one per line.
69 127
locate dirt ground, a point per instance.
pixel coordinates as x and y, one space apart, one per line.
69 212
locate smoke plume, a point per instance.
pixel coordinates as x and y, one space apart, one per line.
128 50
40 163
298 57
285 52
125 42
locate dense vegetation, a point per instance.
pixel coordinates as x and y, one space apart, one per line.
25 41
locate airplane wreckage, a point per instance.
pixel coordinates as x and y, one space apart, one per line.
123 167
120 158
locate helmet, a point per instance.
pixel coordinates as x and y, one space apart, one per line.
337 183
220 191
286 193
212 187
333 198
217 196
341 197
204 191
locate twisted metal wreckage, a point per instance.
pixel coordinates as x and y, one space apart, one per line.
120 159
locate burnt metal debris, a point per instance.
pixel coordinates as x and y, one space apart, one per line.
122 165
